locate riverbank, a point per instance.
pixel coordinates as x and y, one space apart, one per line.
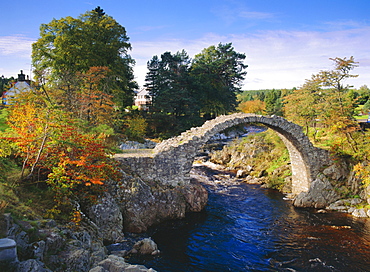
263 159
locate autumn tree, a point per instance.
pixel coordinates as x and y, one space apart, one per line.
55 148
73 45
325 98
94 104
253 106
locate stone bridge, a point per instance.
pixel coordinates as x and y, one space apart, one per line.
170 161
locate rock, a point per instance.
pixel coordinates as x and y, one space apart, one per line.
98 269
196 196
144 204
76 259
38 249
146 247
108 217
345 205
5 223
120 253
336 172
22 240
241 173
359 213
54 242
320 194
50 224
118 264
32 265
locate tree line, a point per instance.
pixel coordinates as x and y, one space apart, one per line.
186 92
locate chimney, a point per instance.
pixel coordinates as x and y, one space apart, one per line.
21 76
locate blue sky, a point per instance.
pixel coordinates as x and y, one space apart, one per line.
285 41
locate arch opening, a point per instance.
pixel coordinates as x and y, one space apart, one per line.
183 148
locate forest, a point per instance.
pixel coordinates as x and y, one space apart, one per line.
58 138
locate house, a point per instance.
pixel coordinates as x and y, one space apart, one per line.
143 99
21 85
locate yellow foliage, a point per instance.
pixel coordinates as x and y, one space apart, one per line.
253 106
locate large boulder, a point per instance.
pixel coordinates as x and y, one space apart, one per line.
145 246
108 218
320 194
149 204
117 264
144 204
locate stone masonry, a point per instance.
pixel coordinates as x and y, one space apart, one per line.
170 161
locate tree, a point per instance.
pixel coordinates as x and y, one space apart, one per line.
303 105
253 106
218 73
69 46
171 88
55 148
273 102
325 97
363 95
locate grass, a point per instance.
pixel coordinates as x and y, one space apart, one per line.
22 200
271 154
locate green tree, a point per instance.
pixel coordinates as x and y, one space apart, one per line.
218 73
273 102
366 107
303 105
171 88
363 95
70 45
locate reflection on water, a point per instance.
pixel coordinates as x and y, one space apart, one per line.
248 228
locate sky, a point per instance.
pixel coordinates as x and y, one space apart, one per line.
285 42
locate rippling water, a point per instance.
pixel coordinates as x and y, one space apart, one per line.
248 228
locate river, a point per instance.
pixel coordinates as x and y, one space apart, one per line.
248 228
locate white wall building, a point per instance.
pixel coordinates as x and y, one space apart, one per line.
21 85
143 99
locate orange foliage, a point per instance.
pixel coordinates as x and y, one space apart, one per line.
95 106
253 106
49 139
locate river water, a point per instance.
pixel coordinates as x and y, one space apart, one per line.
248 228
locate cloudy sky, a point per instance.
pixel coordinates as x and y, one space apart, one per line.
285 41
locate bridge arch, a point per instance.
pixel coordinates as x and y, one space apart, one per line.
170 162
178 153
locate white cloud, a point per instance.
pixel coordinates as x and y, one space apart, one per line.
276 59
16 45
255 15
15 55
